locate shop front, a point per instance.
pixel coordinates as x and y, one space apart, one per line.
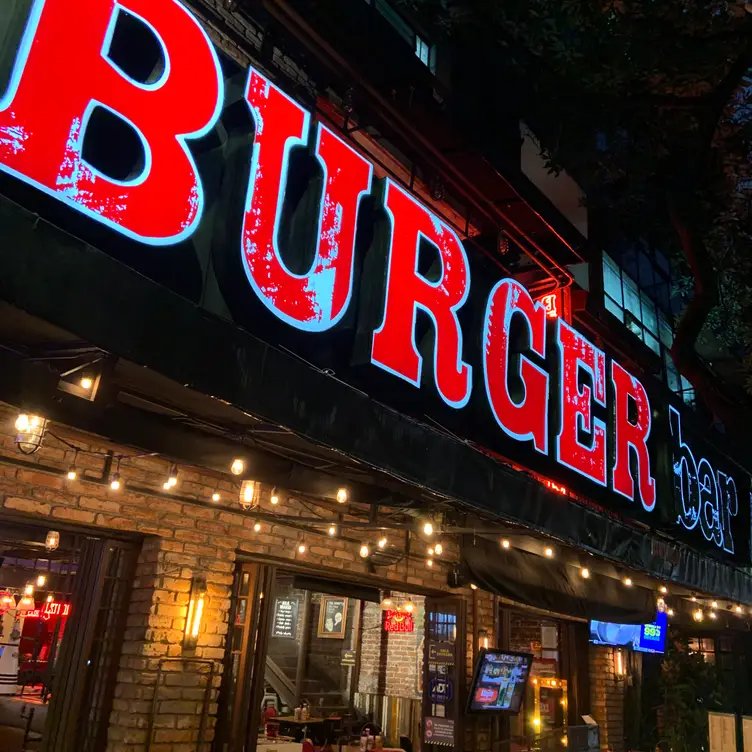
286 454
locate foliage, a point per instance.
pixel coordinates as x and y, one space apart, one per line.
646 103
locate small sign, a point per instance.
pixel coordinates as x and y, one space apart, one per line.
398 621
348 658
439 731
441 652
442 691
47 611
285 623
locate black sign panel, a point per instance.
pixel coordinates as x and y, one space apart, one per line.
285 622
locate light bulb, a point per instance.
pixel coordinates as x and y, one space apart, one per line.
29 590
585 573
115 482
52 541
664 590
41 580
274 498
364 551
387 604
738 609
505 543
72 473
216 496
237 467
430 551
473 586
166 485
549 552
439 549
172 478
257 527
22 423
408 606
382 542
627 582
86 382
713 615
698 615
341 495
427 528
50 599
693 599
429 562
332 530
670 612
301 548
714 604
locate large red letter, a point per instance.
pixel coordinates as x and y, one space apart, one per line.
63 73
635 435
578 354
315 301
528 418
393 347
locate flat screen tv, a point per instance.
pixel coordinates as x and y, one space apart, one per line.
644 638
499 682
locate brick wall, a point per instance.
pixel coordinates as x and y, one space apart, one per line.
180 538
607 698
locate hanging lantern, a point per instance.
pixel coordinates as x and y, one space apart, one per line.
250 492
30 432
52 541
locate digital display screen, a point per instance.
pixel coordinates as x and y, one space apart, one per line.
644 638
499 682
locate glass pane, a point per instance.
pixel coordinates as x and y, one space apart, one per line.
645 274
672 376
395 20
633 325
649 318
612 280
422 50
694 644
666 332
631 297
615 309
685 385
245 583
652 343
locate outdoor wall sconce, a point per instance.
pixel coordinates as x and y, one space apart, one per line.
52 541
620 666
483 639
250 494
195 613
30 431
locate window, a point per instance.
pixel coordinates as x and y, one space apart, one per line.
705 646
641 301
424 51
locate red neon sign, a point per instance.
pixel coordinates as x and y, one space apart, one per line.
56 85
47 611
398 621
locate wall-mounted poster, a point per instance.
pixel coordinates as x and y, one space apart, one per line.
285 622
332 617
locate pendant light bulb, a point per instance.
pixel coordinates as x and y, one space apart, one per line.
505 544
439 549
274 498
332 530
72 473
86 382
257 527
301 547
585 573
365 552
216 496
172 477
115 482
341 495
382 542
428 528
237 467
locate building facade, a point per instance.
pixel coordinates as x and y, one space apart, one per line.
306 398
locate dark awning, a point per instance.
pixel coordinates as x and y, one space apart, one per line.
553 586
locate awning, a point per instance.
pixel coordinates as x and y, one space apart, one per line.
553 586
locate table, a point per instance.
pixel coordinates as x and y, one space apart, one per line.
291 719
281 746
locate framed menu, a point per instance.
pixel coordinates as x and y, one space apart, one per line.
285 620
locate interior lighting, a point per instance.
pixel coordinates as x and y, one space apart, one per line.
216 496
439 549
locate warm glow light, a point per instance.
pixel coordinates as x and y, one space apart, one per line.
439 549
52 541
714 604
549 552
585 572
664 590
86 383
505 543
536 722
564 741
172 478
473 586
382 542
257 527
72 473
619 668
364 551
693 599
22 423
535 681
29 590
41 580
430 551
408 606
50 599
698 615
115 482
670 612
427 528
301 548
30 429
484 642
713 615
627 582
332 530
249 493
195 613
237 467
341 495
386 604
738 609
6 600
274 498
216 496
429 562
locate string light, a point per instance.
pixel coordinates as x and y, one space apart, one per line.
670 612
627 582
505 543
72 471
664 590
302 548
738 609
52 541
693 599
115 482
216 496
714 604
332 530
172 478
428 528
237 467
382 542
29 590
430 551
713 615
365 552
473 586
41 580
341 495
585 573
439 549
257 527
549 552
274 498
429 563
698 615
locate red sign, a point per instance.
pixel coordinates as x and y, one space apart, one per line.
42 144
398 621
47 611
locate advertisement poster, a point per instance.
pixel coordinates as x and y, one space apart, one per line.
499 682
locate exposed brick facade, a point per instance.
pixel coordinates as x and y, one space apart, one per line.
607 698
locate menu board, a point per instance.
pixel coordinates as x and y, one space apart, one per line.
285 622
499 682
722 728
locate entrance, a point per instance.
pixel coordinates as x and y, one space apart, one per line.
63 603
312 658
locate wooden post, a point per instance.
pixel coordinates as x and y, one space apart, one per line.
303 645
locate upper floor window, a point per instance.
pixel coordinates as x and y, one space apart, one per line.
424 50
641 300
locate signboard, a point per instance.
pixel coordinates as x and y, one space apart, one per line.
722 728
441 652
398 621
499 682
348 658
438 731
503 370
285 620
644 638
